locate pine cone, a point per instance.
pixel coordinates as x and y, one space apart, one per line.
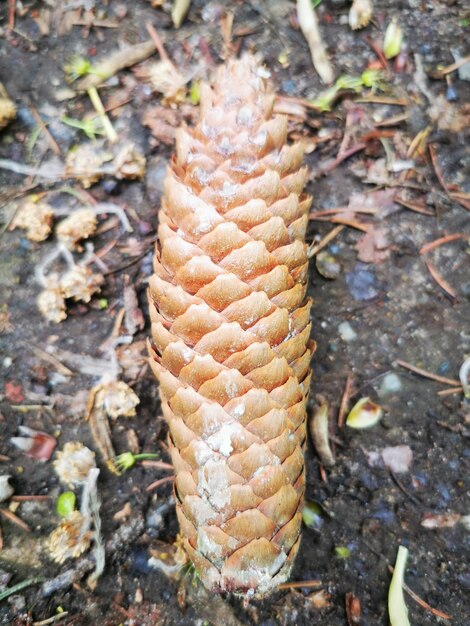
230 329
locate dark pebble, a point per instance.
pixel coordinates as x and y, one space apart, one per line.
139 559
362 283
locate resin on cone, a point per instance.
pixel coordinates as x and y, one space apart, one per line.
231 333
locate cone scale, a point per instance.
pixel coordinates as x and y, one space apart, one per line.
231 333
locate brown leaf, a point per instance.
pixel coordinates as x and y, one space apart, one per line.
133 318
373 246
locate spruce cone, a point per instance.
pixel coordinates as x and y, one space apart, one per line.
230 329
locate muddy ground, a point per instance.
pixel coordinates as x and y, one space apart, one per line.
378 310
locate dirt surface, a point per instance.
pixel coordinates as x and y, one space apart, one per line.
384 305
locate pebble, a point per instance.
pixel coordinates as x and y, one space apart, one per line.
347 332
362 283
391 383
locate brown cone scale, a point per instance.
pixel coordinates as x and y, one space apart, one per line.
230 330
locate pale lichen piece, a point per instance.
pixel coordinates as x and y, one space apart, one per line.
69 540
73 463
85 162
35 217
129 163
80 283
117 399
81 224
51 304
7 108
360 14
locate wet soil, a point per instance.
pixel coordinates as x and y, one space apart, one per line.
370 316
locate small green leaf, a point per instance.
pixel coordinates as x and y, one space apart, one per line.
312 515
66 503
315 3
393 40
194 93
103 303
342 552
76 67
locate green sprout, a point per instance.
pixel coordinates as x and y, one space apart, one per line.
370 78
77 67
66 503
342 552
126 460
195 93
91 126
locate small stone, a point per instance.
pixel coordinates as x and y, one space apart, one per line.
6 490
391 383
347 332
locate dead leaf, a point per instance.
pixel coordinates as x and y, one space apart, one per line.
443 520
373 246
320 599
133 318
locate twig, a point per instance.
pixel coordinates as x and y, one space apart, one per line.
413 207
420 601
442 240
450 392
308 584
325 241
402 488
157 42
309 26
45 356
346 209
14 519
400 102
52 142
426 374
51 620
443 284
344 400
440 178
115 62
11 14
346 222
158 464
378 52
30 498
330 165
159 482
454 66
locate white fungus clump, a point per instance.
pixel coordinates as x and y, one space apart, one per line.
69 540
73 463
